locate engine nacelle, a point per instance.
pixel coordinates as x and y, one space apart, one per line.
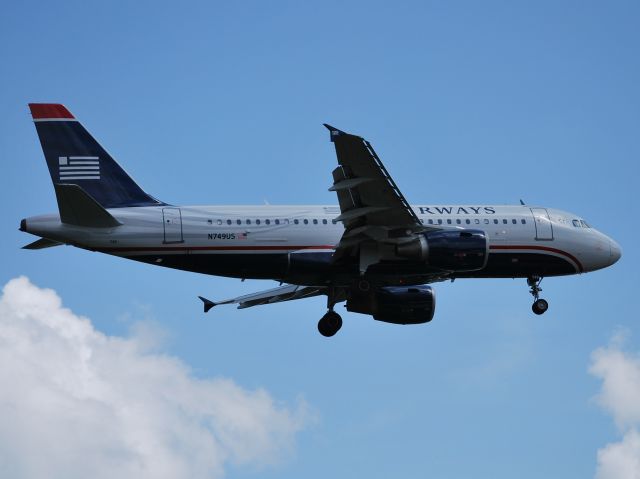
396 304
449 250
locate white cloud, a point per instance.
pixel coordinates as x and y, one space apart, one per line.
620 396
620 460
75 402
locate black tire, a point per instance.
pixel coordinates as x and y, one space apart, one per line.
540 306
330 324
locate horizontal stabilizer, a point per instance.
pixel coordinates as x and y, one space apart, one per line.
78 208
207 304
41 244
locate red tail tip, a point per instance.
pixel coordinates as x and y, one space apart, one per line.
49 110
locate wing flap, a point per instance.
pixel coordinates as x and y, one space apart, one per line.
355 213
350 183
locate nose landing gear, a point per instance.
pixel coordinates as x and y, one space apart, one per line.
540 305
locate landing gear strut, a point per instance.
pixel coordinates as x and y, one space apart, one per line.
330 324
540 305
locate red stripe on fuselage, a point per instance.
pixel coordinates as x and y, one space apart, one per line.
539 248
49 110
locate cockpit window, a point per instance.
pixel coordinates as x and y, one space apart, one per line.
580 224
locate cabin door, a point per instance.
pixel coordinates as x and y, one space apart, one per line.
544 228
172 221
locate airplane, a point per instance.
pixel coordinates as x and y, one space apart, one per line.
374 251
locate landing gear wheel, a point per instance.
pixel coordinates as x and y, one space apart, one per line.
540 306
330 324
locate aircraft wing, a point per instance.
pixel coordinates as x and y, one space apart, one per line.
276 295
373 210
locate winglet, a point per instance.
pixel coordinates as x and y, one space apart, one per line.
333 131
207 304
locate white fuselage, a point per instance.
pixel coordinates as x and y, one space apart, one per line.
155 234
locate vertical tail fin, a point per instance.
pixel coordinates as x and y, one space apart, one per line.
75 157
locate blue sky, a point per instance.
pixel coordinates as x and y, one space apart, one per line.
465 102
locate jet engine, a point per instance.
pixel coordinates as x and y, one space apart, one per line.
449 250
396 304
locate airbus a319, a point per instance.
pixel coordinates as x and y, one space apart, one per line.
374 251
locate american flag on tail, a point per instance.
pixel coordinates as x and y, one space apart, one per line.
78 168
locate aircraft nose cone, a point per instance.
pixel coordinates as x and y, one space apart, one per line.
616 251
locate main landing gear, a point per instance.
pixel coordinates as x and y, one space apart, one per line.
330 323
540 305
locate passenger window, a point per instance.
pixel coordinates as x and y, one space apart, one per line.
296 221
495 221
576 223
324 222
248 222
584 223
458 221
486 221
523 221
448 221
277 222
267 222
504 221
239 222
210 222
440 221
315 222
430 221
469 222
334 222
514 221
228 222
257 222
219 222
305 221
477 221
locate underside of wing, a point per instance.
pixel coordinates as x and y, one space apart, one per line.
375 214
275 295
366 192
